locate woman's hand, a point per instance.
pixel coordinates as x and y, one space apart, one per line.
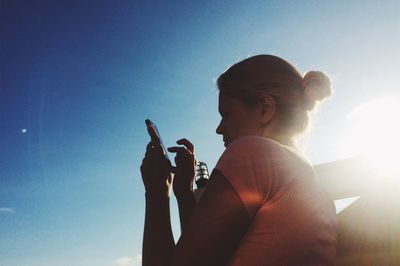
156 175
185 167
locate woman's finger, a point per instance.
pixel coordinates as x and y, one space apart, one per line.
149 146
187 144
154 150
149 150
178 150
144 165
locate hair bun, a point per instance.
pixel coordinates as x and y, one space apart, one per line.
317 87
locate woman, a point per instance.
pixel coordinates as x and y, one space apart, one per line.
261 206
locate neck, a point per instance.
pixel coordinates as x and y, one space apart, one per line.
271 132
285 141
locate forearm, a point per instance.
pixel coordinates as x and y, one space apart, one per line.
158 240
186 204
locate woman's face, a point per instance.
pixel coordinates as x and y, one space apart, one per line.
237 120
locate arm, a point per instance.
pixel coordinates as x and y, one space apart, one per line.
186 205
158 241
212 232
183 180
215 228
157 236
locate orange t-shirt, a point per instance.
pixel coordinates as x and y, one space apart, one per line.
293 221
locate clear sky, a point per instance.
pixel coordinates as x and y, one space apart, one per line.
78 78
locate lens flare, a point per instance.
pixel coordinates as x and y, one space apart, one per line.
375 134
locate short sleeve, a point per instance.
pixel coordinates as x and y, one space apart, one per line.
252 166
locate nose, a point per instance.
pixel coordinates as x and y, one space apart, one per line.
218 130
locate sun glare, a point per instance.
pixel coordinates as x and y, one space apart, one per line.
375 134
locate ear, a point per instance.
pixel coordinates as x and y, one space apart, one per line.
267 109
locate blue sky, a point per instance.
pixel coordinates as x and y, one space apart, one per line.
78 78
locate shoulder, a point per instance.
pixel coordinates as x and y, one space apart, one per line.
254 141
254 148
263 159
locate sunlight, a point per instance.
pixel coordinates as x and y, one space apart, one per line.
375 134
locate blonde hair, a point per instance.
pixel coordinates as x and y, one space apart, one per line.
295 96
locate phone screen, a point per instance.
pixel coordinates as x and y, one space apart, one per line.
155 136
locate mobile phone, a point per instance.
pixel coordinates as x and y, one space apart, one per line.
155 137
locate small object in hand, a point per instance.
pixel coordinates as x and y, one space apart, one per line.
202 177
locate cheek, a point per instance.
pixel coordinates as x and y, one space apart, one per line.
248 127
238 129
